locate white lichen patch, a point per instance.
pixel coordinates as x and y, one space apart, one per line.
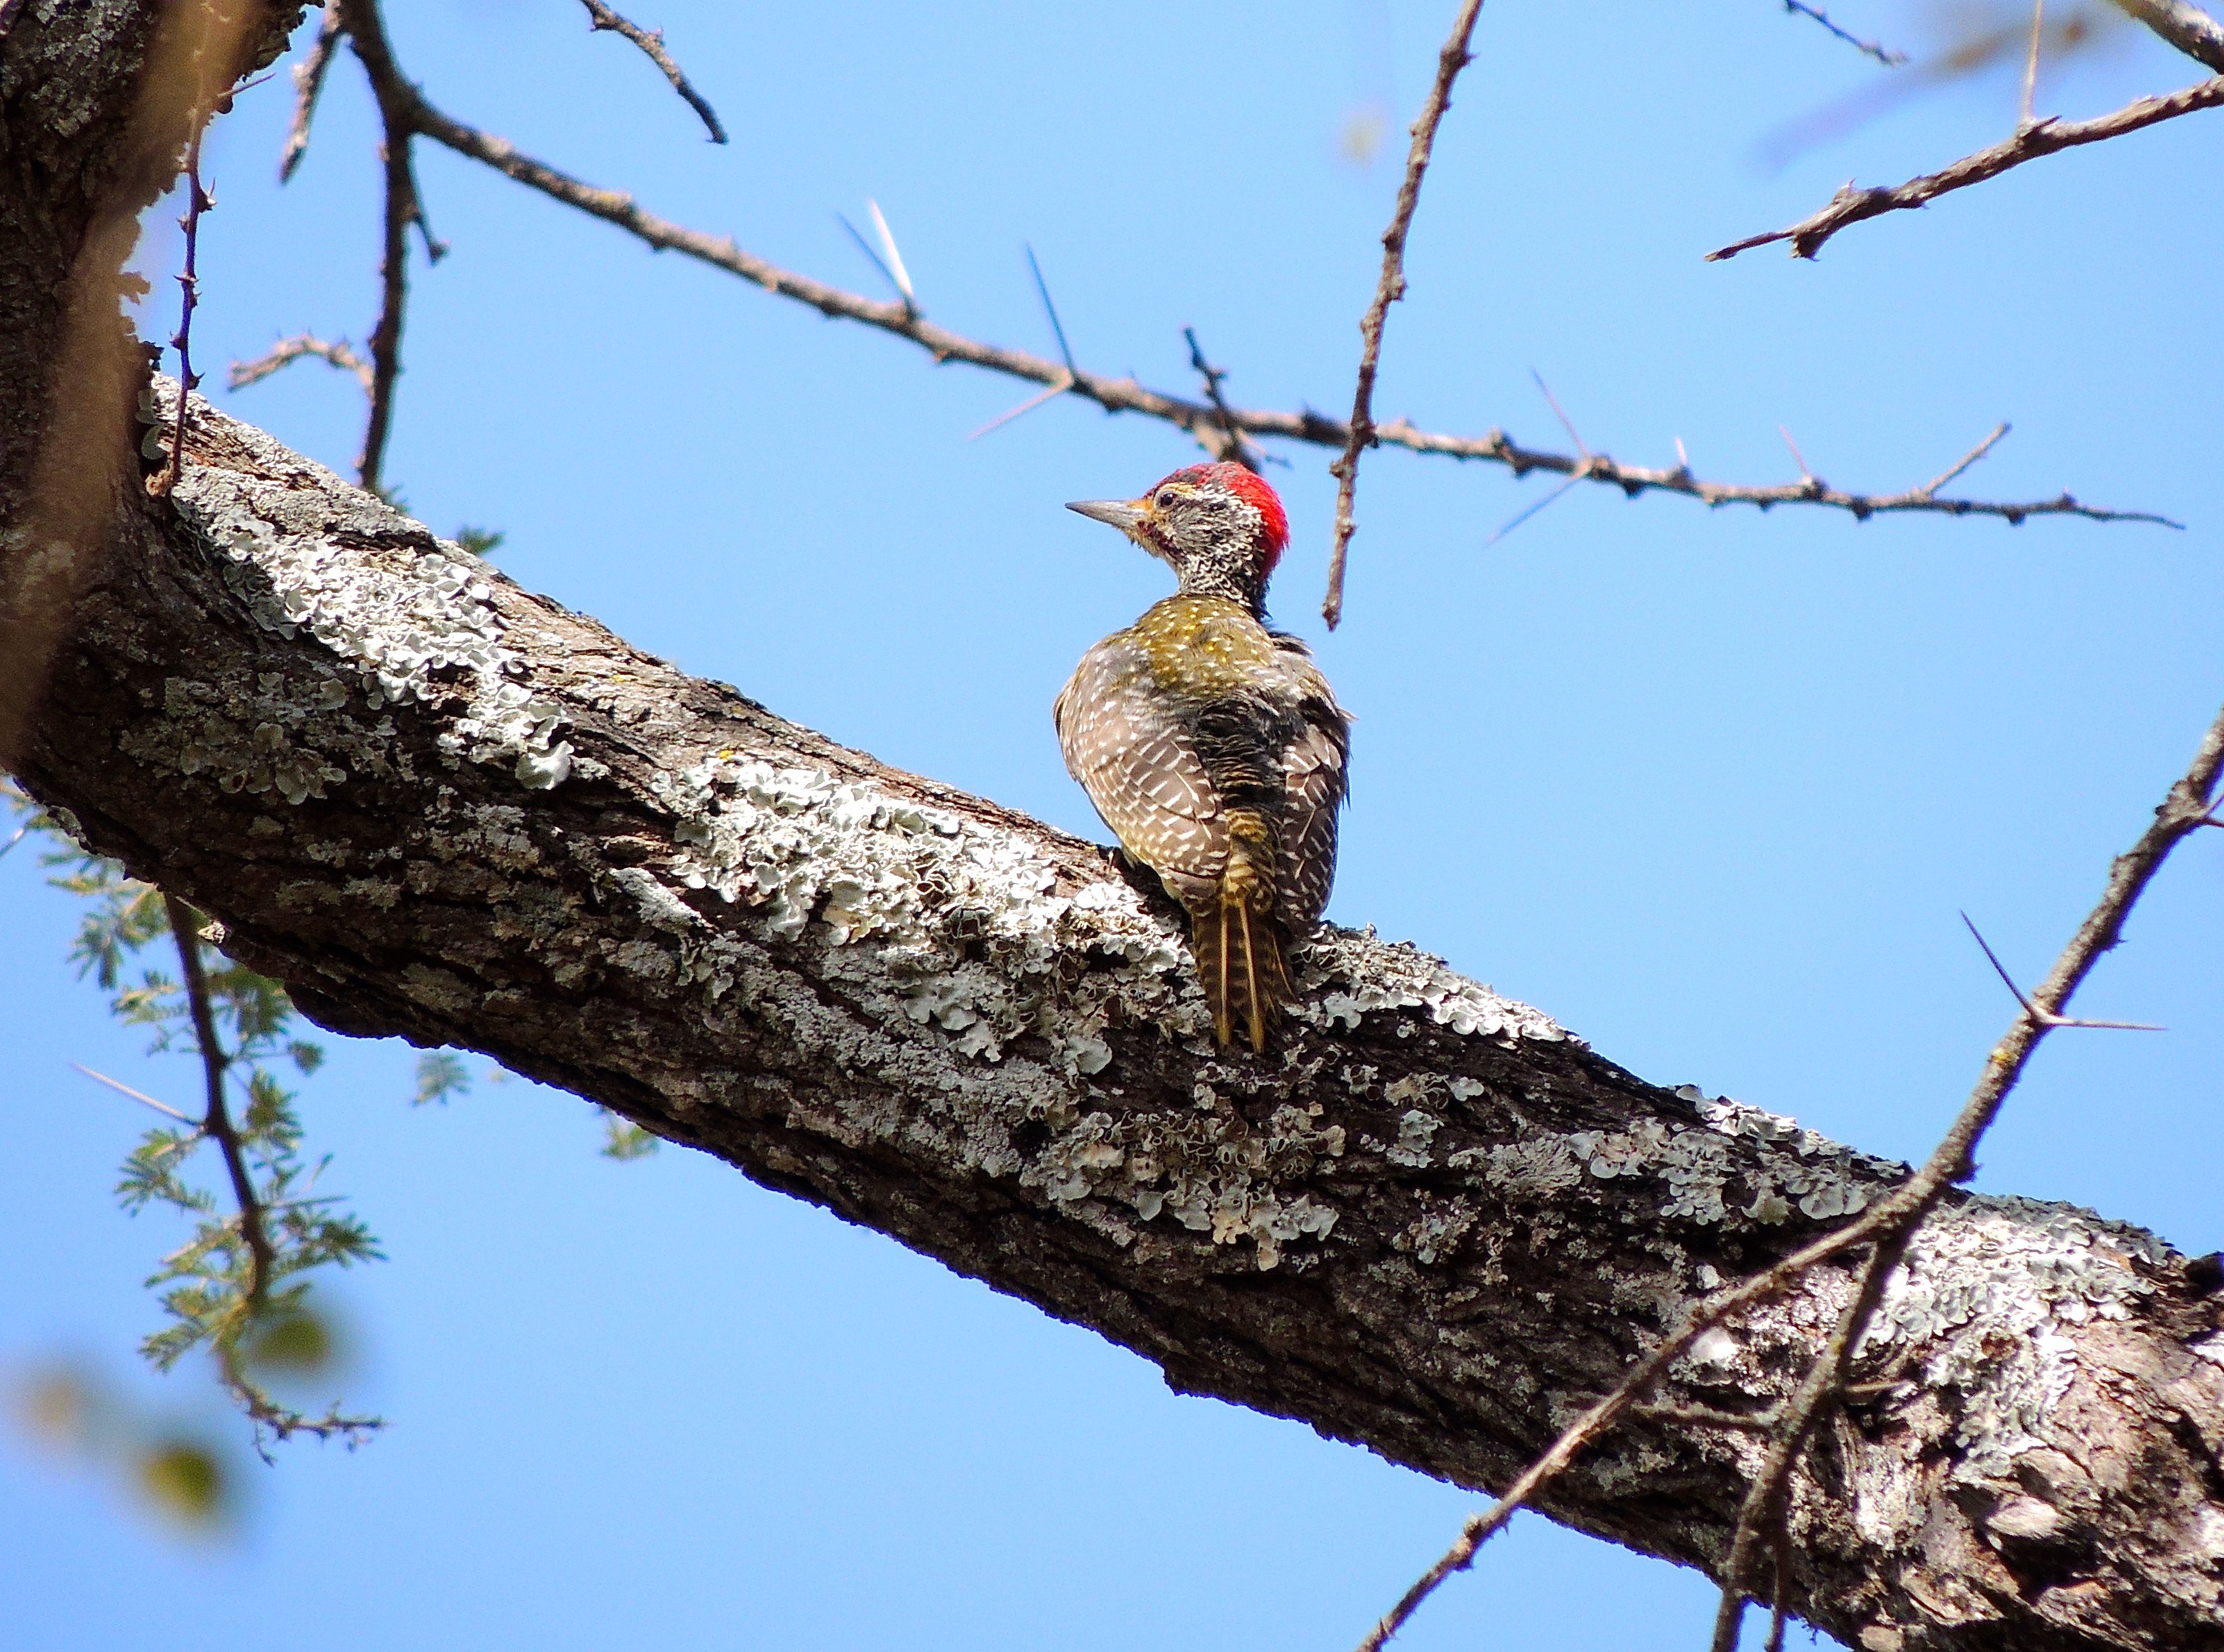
1990 1294
1379 976
405 617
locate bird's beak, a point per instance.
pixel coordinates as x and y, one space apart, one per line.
1126 515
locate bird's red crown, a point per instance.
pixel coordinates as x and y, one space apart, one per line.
1255 490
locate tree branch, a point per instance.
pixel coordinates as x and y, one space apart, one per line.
1200 420
651 42
308 85
1388 289
337 352
2042 137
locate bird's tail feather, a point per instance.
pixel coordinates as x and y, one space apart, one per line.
1238 942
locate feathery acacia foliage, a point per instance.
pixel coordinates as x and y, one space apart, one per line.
238 1286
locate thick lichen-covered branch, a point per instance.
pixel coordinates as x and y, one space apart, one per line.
1434 1222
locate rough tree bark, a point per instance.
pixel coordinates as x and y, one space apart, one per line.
439 807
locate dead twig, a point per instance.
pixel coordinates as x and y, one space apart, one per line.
397 102
308 85
1233 446
651 42
337 353
2040 137
1388 289
1883 55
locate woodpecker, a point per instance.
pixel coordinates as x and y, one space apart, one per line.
1212 745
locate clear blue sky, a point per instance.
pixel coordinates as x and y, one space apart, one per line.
1709 787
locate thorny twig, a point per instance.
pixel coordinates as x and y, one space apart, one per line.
1234 447
1885 1224
1883 55
651 42
2041 137
308 85
1390 288
337 352
1197 419
198 200
2182 811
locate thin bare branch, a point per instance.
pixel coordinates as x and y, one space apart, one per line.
1704 1417
1198 420
2186 27
2042 137
397 102
309 85
337 352
1233 446
1807 476
1387 290
1883 55
1534 507
651 42
1888 1224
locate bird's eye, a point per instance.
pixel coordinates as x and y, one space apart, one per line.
1165 499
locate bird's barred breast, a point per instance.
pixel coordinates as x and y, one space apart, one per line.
1125 741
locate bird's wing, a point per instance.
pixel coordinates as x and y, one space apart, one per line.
1138 766
1315 781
